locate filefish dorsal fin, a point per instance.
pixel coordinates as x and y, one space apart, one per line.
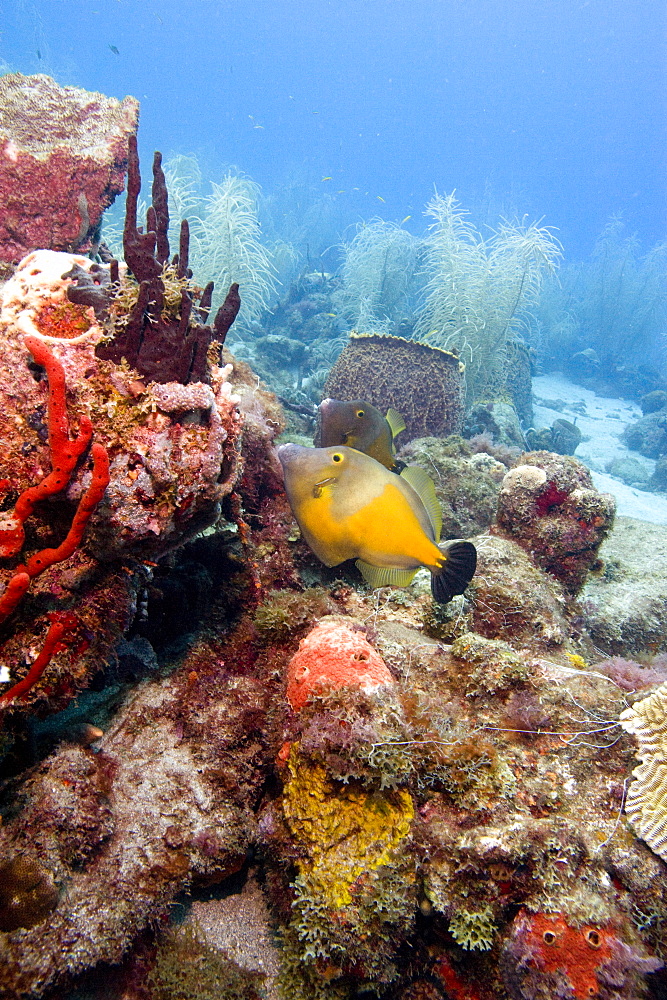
395 421
423 486
383 576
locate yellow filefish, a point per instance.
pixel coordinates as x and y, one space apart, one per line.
360 425
348 506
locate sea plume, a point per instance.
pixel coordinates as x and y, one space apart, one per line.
479 292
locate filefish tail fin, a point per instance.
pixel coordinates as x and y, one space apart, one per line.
456 572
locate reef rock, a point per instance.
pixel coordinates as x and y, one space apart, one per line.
549 505
122 836
625 606
172 452
62 162
172 448
510 598
648 435
466 484
499 420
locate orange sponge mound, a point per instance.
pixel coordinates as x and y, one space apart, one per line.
334 656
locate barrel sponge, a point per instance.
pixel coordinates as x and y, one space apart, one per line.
425 384
332 655
646 804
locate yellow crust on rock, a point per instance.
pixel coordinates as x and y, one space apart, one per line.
345 829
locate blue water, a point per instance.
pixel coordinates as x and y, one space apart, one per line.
554 108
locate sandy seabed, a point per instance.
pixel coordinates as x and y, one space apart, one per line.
601 420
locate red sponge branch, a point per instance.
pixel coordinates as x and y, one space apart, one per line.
65 453
61 629
87 504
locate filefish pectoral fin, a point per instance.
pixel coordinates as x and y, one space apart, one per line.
456 571
385 576
424 487
395 421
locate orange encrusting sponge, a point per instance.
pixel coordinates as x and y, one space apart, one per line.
332 655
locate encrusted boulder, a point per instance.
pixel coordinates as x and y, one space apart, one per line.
549 505
648 435
172 447
497 419
63 156
466 484
625 606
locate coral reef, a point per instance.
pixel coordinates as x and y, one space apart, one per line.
164 455
64 155
512 599
167 443
423 383
550 506
273 783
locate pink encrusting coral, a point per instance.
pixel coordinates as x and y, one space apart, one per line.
334 656
63 155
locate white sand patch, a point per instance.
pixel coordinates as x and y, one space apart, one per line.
601 421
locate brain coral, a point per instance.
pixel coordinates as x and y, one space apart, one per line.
425 384
647 796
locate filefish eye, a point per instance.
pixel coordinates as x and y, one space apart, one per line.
361 413
337 457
